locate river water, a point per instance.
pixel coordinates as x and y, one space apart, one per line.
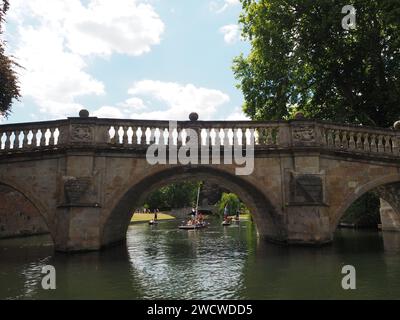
163 262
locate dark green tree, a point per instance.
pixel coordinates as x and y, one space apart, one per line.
177 195
302 59
9 88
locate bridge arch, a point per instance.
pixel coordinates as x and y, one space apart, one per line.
268 221
30 203
360 191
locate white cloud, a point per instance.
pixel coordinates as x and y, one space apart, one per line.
108 112
121 26
231 33
221 6
54 78
53 39
178 100
237 115
134 104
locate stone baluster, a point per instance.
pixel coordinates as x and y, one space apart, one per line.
171 141
134 135
381 146
367 145
7 144
217 139
143 138
270 140
359 143
16 140
42 138
120 133
329 138
34 138
396 145
236 140
25 140
226 138
152 136
261 136
52 138
125 138
244 137
352 142
161 140
388 144
338 141
179 141
345 142
373 143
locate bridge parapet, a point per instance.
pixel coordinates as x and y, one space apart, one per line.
360 139
138 134
16 138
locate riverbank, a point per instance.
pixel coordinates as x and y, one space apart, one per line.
146 217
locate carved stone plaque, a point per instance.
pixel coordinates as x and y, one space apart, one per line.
75 188
304 134
82 133
307 189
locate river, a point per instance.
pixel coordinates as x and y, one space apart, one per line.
163 262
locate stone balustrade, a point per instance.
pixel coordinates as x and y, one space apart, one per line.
138 134
31 136
360 139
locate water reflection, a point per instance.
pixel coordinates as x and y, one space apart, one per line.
163 262
179 264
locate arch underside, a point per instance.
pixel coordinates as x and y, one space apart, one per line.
387 188
269 223
19 216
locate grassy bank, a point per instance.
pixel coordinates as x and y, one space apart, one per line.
146 217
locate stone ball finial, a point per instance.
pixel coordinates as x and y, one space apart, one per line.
193 117
84 113
396 125
299 116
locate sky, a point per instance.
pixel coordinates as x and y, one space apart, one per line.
130 59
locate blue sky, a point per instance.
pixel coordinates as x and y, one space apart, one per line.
154 59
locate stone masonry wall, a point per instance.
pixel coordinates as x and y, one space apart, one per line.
18 217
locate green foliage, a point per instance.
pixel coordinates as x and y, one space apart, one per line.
9 88
302 59
364 212
232 201
176 195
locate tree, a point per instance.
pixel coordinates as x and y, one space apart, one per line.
177 195
302 59
9 88
232 201
364 212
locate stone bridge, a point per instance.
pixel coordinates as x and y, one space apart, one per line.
84 176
